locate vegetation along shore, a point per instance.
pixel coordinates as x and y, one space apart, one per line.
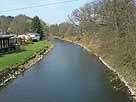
14 64
108 29
22 44
115 76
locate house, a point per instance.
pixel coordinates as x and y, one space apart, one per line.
34 36
8 43
29 36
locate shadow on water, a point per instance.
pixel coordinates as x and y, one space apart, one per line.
67 74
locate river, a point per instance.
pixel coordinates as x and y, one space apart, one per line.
67 74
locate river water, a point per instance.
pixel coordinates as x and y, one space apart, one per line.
67 74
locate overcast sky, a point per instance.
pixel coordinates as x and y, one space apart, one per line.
50 14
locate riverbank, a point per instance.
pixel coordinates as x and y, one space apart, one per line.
35 55
118 77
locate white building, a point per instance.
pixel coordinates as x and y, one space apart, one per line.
34 36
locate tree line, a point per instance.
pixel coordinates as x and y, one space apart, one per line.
113 22
22 24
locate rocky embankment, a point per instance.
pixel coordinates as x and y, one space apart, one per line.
13 71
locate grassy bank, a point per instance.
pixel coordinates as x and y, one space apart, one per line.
19 57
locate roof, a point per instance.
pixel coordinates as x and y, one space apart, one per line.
5 36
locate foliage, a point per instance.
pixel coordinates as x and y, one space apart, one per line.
113 23
12 28
20 24
64 28
5 22
36 26
54 29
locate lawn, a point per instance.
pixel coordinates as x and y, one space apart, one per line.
20 57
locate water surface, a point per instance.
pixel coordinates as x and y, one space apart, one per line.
67 74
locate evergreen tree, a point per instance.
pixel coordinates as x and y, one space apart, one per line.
36 26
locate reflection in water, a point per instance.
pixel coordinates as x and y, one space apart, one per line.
67 74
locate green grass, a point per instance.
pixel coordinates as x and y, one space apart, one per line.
20 57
